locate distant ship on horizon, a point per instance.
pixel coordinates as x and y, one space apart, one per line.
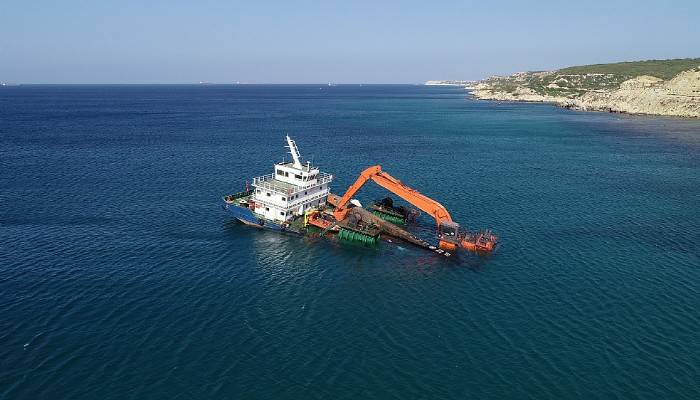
464 84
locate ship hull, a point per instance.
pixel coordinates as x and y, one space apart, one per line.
246 216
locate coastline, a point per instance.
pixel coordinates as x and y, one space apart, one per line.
640 95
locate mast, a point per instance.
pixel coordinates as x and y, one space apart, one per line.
294 152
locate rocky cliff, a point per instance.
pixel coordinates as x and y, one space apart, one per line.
679 97
613 92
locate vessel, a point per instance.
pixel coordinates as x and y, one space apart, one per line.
296 197
275 201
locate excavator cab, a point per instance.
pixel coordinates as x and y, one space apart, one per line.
449 235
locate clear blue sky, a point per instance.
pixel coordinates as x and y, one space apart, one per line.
347 41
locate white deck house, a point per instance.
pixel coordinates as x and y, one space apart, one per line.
292 189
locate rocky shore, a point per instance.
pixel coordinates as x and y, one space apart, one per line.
643 94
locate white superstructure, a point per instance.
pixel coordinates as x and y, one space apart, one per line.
292 189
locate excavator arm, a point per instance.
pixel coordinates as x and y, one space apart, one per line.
422 202
340 209
383 179
448 231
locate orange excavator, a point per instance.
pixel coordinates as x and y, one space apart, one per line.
448 231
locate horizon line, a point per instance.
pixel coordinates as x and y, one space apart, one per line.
9 84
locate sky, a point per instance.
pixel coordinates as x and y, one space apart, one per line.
352 41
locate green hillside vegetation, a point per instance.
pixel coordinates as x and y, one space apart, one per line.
664 69
574 81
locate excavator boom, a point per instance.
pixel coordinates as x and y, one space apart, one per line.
383 179
448 231
422 202
340 209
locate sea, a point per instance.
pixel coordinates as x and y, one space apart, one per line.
121 276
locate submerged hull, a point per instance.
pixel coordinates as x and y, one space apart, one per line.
248 217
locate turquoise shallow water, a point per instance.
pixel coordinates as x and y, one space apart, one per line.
121 277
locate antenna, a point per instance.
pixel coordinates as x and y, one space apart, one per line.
294 151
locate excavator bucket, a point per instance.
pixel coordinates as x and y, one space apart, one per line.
449 235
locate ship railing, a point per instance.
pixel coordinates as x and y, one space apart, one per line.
268 182
295 203
233 197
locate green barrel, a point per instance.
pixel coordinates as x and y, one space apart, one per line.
357 237
390 218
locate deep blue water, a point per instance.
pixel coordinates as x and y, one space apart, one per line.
122 278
